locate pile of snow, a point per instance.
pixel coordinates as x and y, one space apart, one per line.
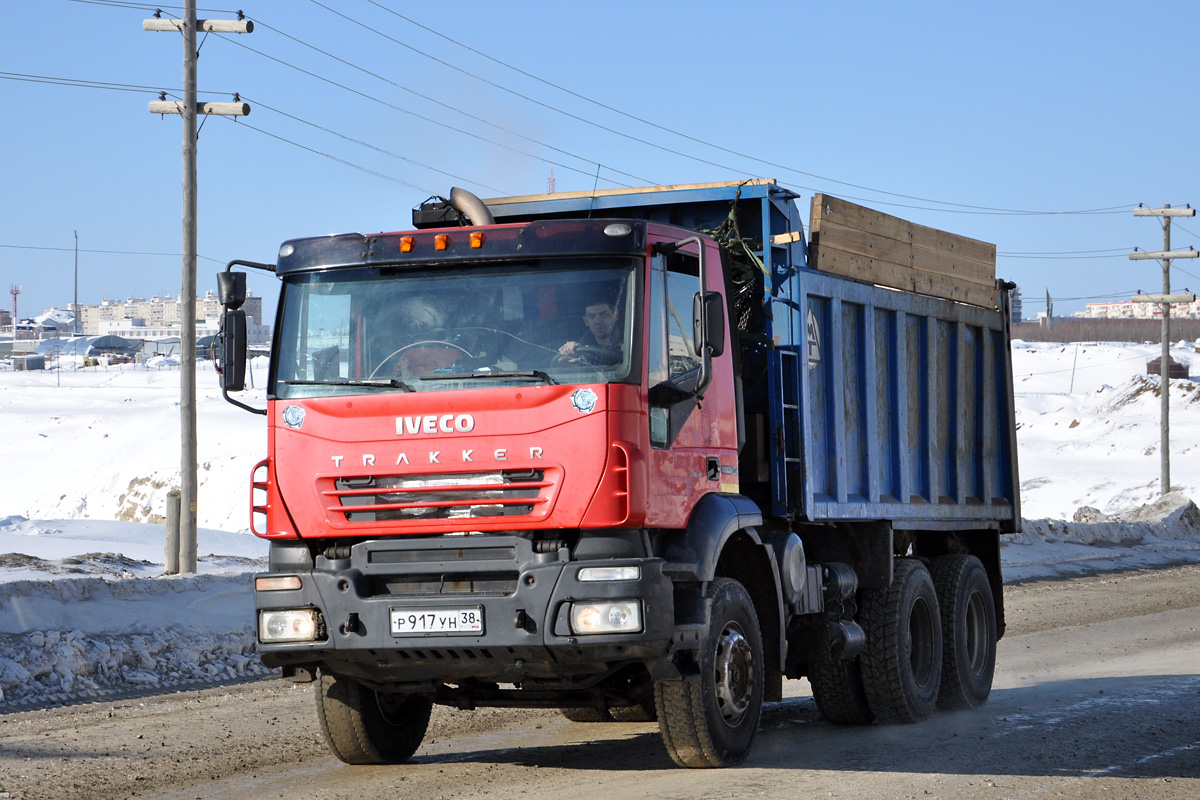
85 610
74 638
1166 531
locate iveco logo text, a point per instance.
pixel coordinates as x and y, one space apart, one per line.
432 423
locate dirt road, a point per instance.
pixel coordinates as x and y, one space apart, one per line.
1097 695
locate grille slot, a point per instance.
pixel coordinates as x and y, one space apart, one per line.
507 493
496 584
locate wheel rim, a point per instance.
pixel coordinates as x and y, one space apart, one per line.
734 673
976 634
920 642
393 707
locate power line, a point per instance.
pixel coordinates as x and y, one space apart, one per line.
342 161
430 120
103 252
89 84
1121 250
975 208
147 6
1060 258
86 84
260 104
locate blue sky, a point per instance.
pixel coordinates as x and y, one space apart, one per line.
1046 107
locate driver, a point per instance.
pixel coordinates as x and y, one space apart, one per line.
600 318
412 333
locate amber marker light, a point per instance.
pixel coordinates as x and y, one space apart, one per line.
440 241
477 239
406 243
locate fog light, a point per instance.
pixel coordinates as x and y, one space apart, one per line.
297 625
622 616
630 573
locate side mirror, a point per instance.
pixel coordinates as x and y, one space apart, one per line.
231 349
708 322
231 289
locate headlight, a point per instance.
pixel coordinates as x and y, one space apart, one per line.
298 625
630 573
621 616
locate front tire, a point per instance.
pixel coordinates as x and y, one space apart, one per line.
902 660
363 726
968 631
711 720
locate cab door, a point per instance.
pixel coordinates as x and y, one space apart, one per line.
693 438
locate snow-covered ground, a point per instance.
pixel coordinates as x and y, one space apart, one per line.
90 454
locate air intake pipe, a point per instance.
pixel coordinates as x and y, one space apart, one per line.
471 206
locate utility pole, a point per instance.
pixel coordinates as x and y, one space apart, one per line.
1165 300
75 308
189 109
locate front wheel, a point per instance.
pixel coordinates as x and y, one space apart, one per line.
363 726
711 720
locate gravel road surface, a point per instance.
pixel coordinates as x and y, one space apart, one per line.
1097 695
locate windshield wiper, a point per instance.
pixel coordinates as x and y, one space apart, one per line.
382 383
524 373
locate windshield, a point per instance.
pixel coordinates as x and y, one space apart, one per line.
372 329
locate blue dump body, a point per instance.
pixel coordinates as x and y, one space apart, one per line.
877 404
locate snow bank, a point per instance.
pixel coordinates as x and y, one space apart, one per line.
75 638
1166 531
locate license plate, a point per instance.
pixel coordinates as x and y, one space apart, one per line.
420 621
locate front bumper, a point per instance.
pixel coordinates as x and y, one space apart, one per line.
524 596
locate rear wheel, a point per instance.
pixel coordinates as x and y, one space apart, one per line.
711 720
968 631
363 726
902 660
837 688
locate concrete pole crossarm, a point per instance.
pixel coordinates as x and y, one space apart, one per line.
1164 212
205 25
217 109
1171 299
1164 254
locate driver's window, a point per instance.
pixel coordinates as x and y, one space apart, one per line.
673 284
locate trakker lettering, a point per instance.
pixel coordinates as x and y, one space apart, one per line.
434 423
436 456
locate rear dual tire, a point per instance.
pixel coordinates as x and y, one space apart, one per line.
902 660
968 631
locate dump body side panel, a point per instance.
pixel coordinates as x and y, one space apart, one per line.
907 412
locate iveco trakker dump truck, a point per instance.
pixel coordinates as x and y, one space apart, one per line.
634 454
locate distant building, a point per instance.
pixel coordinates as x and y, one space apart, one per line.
162 315
1130 310
138 329
1014 302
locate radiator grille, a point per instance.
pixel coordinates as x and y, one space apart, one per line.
463 495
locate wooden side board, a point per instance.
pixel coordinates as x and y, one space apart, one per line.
857 242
